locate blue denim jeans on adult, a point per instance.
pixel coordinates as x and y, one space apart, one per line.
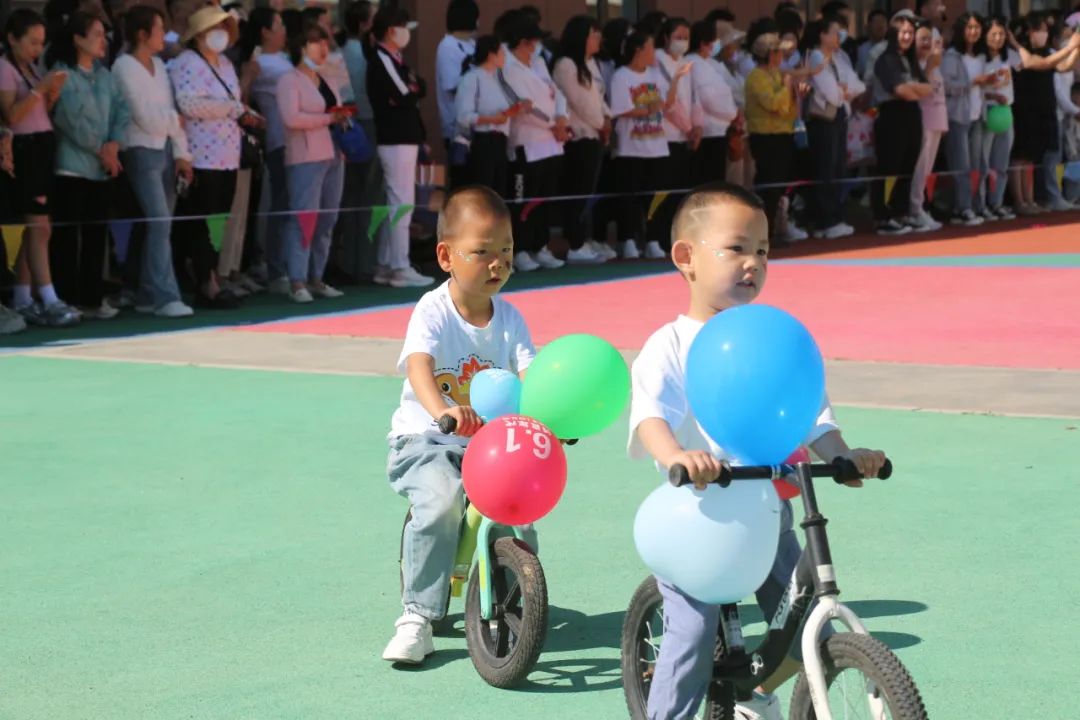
428 474
153 178
997 148
964 153
276 266
682 672
313 186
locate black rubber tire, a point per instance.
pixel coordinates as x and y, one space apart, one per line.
873 659
444 624
505 657
644 606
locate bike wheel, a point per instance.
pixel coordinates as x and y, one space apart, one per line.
505 648
865 680
444 624
642 635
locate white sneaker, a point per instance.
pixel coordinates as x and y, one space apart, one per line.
326 291
301 296
249 284
546 260
382 275
653 251
258 273
411 642
104 312
630 250
968 218
523 262
760 707
174 309
584 256
410 278
838 230
602 249
11 322
795 233
922 221
280 286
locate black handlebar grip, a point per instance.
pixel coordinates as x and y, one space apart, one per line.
846 471
678 476
447 425
886 470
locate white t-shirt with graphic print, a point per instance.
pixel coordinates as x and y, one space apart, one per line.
659 391
641 137
461 351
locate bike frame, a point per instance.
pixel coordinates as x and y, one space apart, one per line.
813 577
476 539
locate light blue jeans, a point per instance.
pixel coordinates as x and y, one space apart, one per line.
997 148
312 186
964 153
153 178
428 475
684 668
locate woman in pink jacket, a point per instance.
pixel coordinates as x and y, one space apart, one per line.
314 167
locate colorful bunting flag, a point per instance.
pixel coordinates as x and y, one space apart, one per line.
975 183
1072 171
931 186
379 213
991 181
13 235
657 201
890 184
1059 173
401 212
308 219
527 210
216 225
121 234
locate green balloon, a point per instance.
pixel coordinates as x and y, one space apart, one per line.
577 385
999 118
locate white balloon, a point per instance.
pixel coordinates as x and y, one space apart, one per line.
716 545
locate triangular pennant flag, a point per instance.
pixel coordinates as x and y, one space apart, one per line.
216 225
1030 174
890 183
121 235
657 201
1072 171
931 185
378 214
974 183
307 219
1059 172
527 210
13 235
991 180
401 212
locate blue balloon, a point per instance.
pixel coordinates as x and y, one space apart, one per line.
494 393
756 383
716 545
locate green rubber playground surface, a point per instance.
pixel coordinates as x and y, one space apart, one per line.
181 542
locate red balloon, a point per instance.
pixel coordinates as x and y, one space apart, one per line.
514 470
787 490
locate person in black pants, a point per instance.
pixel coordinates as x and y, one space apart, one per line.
483 114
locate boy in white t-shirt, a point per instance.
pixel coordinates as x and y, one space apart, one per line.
720 244
455 331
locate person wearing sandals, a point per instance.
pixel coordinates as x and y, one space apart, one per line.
314 166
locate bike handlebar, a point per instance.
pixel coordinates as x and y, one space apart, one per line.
840 469
448 425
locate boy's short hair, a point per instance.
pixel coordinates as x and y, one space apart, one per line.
478 198
705 196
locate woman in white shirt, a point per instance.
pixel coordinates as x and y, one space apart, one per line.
155 156
577 75
641 146
714 93
997 147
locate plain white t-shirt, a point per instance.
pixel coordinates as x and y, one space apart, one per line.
659 391
460 350
976 66
641 137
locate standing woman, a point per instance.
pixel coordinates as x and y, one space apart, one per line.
577 75
641 146
208 94
314 166
91 120
997 147
714 94
897 85
964 71
606 209
483 116
683 125
772 102
395 93
26 97
935 123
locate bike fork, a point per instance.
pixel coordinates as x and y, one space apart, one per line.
829 608
483 559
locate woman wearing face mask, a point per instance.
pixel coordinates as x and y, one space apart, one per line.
395 92
577 74
313 165
207 92
997 147
714 95
935 123
91 118
1036 121
964 71
26 97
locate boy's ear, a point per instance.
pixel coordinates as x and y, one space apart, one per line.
442 254
682 254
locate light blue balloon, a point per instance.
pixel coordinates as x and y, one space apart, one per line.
494 393
756 383
716 545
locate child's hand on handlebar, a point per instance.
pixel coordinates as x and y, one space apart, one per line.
869 463
468 422
702 466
